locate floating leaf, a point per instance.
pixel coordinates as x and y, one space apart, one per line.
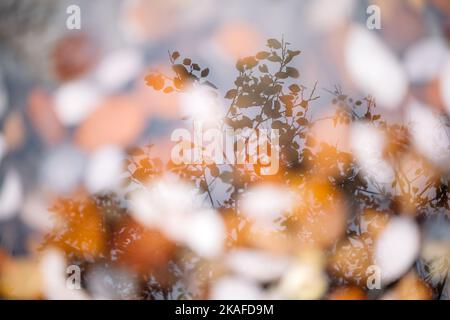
281 75
302 121
274 58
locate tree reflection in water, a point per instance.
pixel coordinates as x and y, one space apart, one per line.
343 199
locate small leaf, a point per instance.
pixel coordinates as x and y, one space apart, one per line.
231 94
246 122
263 68
244 101
168 90
302 121
286 99
175 55
294 88
214 170
291 55
240 65
196 67
262 55
250 62
292 72
273 43
205 73
281 75
187 62
294 52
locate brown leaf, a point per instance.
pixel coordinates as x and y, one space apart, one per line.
205 73
273 43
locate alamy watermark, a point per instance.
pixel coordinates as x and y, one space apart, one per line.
374 20
373 273
73 21
73 281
